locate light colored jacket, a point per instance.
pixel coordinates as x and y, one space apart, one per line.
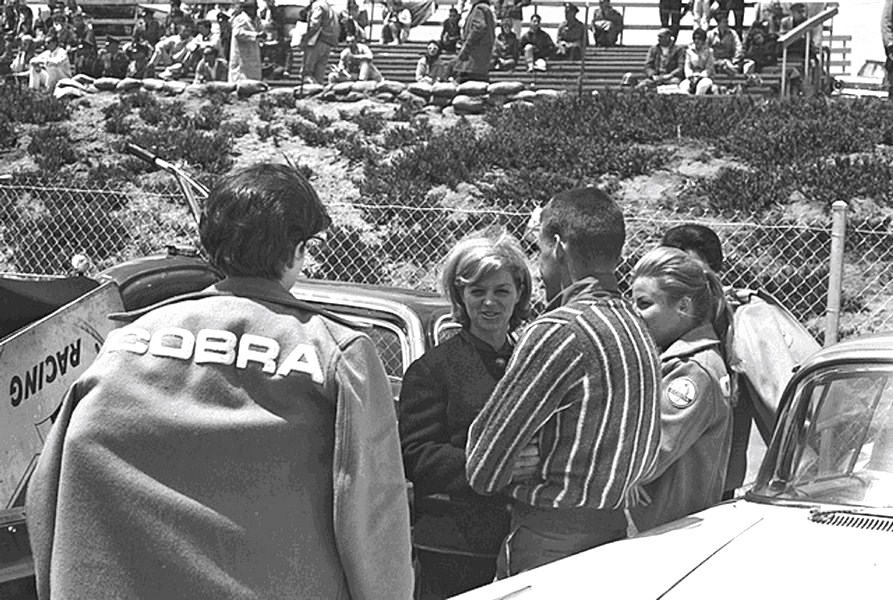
244 60
234 443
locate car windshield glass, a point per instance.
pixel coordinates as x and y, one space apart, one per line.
837 440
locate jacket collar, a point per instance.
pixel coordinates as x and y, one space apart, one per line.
598 284
256 288
482 346
699 338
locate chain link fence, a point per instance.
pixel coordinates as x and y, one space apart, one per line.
44 225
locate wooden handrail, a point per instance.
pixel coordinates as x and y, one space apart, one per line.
806 26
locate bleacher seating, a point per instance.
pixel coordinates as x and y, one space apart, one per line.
602 69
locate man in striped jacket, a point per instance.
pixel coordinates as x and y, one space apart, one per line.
582 386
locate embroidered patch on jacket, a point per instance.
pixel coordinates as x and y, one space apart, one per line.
682 392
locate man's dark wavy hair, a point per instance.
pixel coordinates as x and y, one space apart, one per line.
255 217
590 221
698 238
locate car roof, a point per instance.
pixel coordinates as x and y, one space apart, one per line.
876 347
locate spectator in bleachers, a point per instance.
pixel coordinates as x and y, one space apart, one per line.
431 68
397 22
607 24
506 49
172 52
511 9
670 15
275 45
139 67
244 60
72 8
174 18
48 67
759 49
83 56
318 41
148 26
451 33
699 66
113 59
353 22
798 15
63 32
211 67
24 18
734 7
10 49
478 36
226 34
665 63
537 45
770 13
571 35
355 64
26 50
8 20
728 52
700 12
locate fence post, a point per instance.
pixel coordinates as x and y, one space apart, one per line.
835 274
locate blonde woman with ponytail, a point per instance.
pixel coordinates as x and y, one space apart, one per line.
684 307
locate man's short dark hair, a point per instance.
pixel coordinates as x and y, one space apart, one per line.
255 217
697 238
590 221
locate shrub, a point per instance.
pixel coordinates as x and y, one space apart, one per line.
310 132
309 114
52 148
8 135
23 105
211 151
266 108
117 118
369 122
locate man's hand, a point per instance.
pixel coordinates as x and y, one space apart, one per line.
637 496
527 465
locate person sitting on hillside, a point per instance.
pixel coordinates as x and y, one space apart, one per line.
770 13
113 59
431 68
171 53
174 18
506 49
22 60
10 48
355 64
759 50
148 26
699 66
139 66
62 31
665 64
571 35
726 46
607 24
48 67
353 22
397 22
83 54
211 67
451 32
537 45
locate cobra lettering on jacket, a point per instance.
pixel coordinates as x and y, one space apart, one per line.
217 346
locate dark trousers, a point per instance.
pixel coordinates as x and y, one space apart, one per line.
670 14
447 575
539 536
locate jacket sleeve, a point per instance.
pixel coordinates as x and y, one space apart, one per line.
433 464
650 62
687 408
243 31
887 25
371 511
545 366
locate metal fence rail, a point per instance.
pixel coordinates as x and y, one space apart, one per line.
43 225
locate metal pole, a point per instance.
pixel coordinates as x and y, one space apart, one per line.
806 54
835 275
784 72
583 53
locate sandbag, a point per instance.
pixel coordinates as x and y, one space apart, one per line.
343 88
70 82
281 94
527 95
352 97
496 100
547 94
153 85
328 96
444 89
106 84
386 97
174 88
469 105
448 111
505 88
68 93
421 89
128 84
196 89
84 79
221 87
441 101
391 87
407 97
364 87
249 87
473 88
308 90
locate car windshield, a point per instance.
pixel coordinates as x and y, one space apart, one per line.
836 441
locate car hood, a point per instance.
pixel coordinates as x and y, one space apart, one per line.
734 550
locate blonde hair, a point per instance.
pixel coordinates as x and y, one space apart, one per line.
678 274
478 255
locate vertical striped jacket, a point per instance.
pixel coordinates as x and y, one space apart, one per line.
584 381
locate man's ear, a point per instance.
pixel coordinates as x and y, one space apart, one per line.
561 251
685 305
